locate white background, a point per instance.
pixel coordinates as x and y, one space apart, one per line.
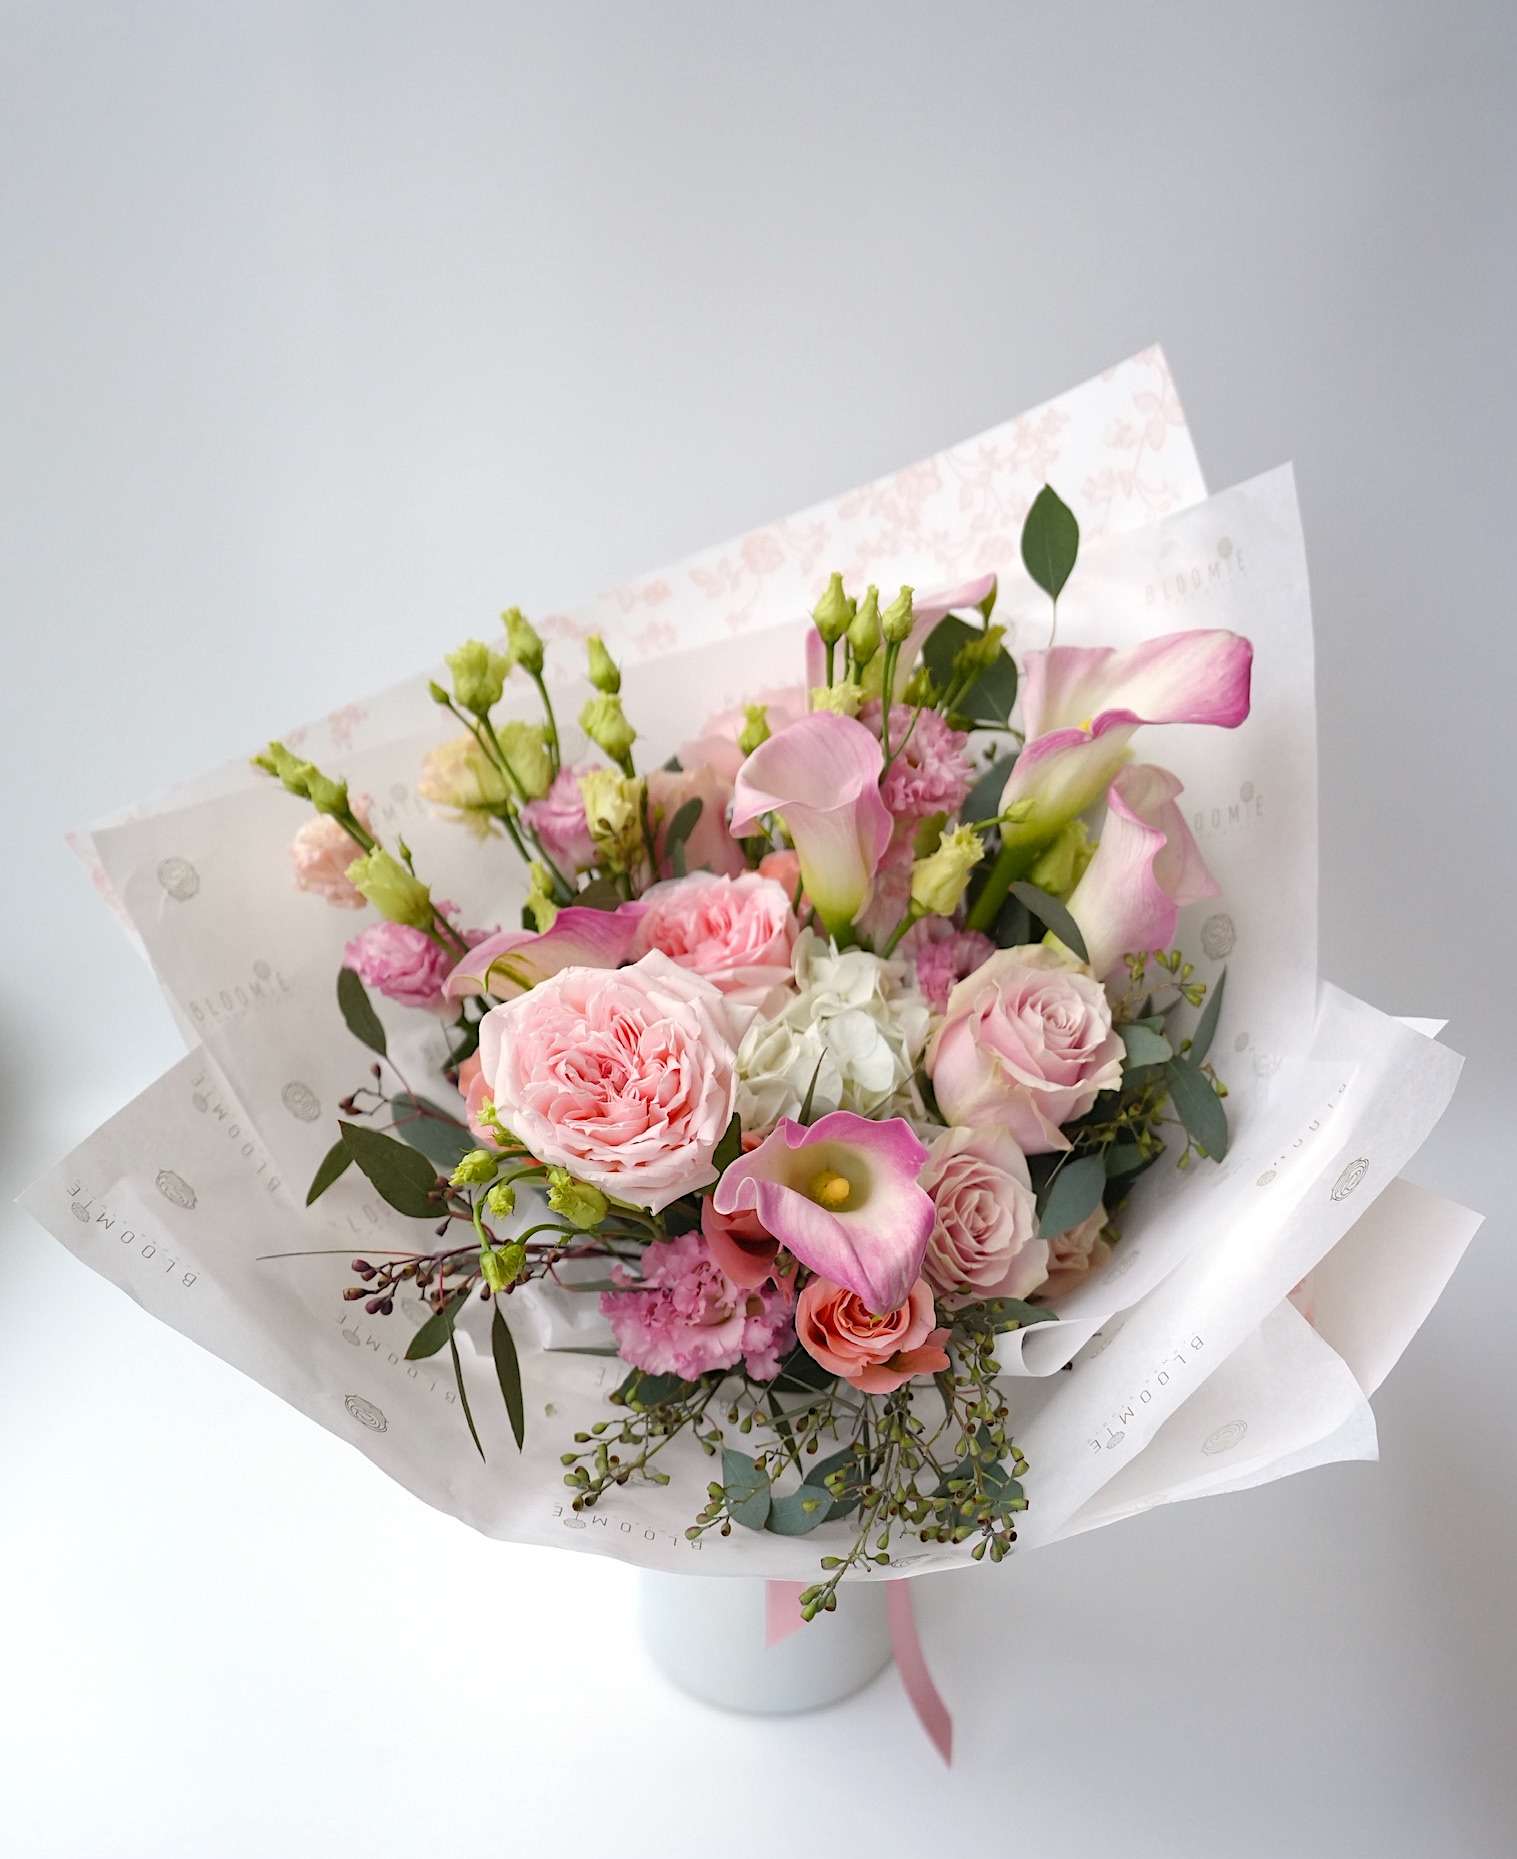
330 330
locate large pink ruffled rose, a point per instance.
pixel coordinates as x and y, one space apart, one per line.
1026 1041
686 1317
710 844
985 1218
876 1354
737 932
626 1077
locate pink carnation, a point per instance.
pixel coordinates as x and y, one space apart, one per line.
321 853
931 774
558 820
405 964
944 955
737 932
686 1317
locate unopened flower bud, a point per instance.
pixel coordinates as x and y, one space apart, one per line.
513 1259
436 692
479 676
920 690
393 891
939 881
276 760
473 1169
541 903
978 653
833 612
604 673
492 1268
524 641
605 722
988 605
895 621
614 816
1061 865
579 1203
755 728
864 628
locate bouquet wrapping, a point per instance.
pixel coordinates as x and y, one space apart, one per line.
1227 1328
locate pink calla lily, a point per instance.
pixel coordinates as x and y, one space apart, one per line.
1146 868
511 961
843 1198
822 776
1082 704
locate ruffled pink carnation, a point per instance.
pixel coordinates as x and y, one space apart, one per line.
737 932
405 964
321 853
558 820
942 956
686 1317
931 774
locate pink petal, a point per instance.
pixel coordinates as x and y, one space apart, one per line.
580 938
1188 677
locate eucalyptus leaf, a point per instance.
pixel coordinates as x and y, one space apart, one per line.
358 1011
427 1128
1012 928
508 1372
730 1147
801 1373
1050 541
463 1394
1053 916
400 1175
1073 1195
1122 1159
1197 1106
640 1390
1206 1026
333 1164
746 1489
679 830
799 1512
984 798
993 692
600 894
856 1476
436 1330
1144 1045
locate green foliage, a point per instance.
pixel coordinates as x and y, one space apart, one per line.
1197 1106
1050 541
1072 1195
1206 1026
745 1486
508 1372
358 1011
333 1165
1053 916
427 1128
402 1176
680 829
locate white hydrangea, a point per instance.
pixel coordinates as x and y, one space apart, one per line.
854 1015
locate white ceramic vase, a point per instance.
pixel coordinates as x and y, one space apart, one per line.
706 1633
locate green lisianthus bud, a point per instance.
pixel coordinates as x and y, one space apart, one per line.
541 903
939 881
525 747
1061 865
833 612
325 794
474 1169
436 692
276 760
988 604
579 1203
755 728
605 722
614 816
492 1268
604 672
895 621
920 691
842 699
978 653
501 1200
1019 812
479 676
513 1260
864 628
524 640
393 891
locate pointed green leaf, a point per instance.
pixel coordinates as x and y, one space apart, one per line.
508 1372
400 1175
730 1147
1073 1195
984 800
436 1330
746 1488
801 1373
1050 541
1053 916
600 894
463 1394
1197 1106
358 1011
680 829
1144 1045
1122 1159
427 1128
855 1476
333 1163
1206 1026
806 1102
799 1512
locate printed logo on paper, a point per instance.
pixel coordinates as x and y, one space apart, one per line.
366 1413
1224 1438
175 1188
301 1101
1344 1186
179 878
1218 935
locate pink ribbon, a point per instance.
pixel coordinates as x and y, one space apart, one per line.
782 1617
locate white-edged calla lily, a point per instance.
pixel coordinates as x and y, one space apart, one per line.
843 1198
511 961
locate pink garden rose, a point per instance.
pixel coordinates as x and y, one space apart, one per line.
710 845
686 1317
323 850
737 932
1073 1255
876 1354
985 1218
404 964
624 1076
943 954
558 820
1027 1042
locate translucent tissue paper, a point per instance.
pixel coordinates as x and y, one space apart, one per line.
1251 1307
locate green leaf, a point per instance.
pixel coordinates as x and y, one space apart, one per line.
1073 1195
468 1043
640 1390
358 1011
401 1175
746 1489
463 1394
1053 916
427 1128
799 1512
508 1372
1122 1159
1050 541
333 1164
600 894
680 829
437 1329
806 1102
992 694
1198 1106
730 1147
1144 1045
801 1373
984 798
1206 1026
1012 928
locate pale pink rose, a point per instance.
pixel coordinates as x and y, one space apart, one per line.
717 743
626 1077
876 1354
322 851
931 773
404 964
684 1315
476 1095
710 845
985 1218
737 932
1073 1254
943 954
1026 1042
558 820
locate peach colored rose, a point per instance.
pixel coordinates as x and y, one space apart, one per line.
476 1095
625 1076
875 1354
1027 1042
784 867
1073 1255
710 844
985 1218
737 932
322 851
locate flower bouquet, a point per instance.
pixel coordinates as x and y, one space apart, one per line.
691 1103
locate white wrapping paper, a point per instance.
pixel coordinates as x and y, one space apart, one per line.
1192 1371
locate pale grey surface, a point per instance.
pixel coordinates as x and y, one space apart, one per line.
331 328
